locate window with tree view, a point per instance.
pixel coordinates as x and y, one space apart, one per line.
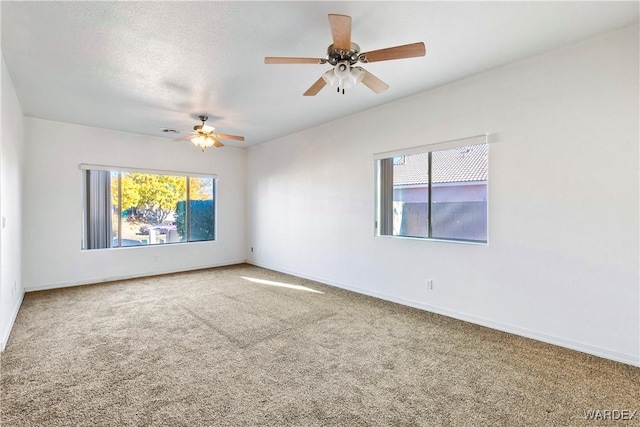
440 194
127 208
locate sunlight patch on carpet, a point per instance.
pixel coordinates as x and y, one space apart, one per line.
280 284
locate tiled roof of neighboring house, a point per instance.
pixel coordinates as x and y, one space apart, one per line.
461 164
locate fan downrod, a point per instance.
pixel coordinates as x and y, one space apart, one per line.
203 119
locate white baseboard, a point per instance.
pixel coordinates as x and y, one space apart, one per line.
94 281
7 329
539 336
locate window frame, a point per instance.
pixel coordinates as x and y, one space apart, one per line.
84 167
379 198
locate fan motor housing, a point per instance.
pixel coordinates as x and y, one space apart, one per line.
337 55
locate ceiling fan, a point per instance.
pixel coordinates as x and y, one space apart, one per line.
204 137
343 54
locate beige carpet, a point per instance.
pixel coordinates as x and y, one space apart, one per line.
214 348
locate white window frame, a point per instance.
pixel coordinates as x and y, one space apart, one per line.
85 167
426 148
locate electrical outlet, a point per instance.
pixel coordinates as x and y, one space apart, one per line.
156 258
429 284
251 248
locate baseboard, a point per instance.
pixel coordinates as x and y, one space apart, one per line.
126 277
4 338
539 336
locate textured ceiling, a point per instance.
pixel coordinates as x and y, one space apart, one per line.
141 66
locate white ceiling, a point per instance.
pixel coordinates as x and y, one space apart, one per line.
141 66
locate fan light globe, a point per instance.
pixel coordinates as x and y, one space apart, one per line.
342 70
357 74
202 141
329 77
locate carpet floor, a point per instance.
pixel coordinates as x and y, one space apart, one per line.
242 345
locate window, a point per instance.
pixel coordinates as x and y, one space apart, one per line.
439 194
133 208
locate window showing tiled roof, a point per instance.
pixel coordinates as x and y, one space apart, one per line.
462 164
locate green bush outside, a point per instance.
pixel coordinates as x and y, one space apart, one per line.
201 221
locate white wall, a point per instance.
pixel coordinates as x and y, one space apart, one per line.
11 183
53 204
562 263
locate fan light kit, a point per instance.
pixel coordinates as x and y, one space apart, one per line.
343 54
344 76
204 137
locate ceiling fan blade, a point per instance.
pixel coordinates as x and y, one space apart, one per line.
288 60
186 138
225 136
374 83
398 52
217 143
315 88
341 31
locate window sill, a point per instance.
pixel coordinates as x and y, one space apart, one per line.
431 239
